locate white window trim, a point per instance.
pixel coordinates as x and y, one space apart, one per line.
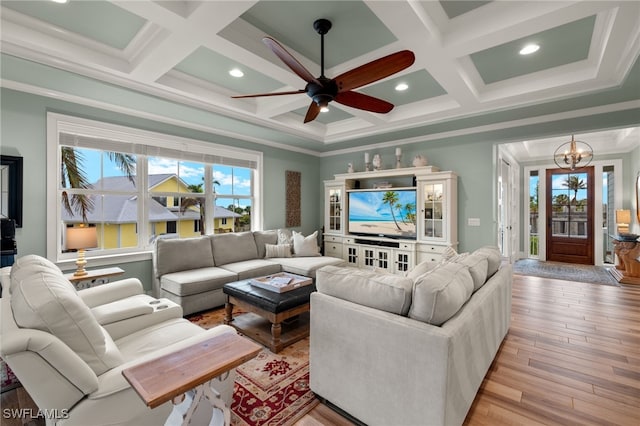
57 123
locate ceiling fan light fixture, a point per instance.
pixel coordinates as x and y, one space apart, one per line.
401 87
324 108
236 72
529 49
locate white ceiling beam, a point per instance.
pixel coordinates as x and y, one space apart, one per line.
186 34
401 18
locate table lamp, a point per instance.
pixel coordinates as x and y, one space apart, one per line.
623 219
81 237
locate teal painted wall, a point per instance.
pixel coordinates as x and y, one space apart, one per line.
473 163
472 157
23 132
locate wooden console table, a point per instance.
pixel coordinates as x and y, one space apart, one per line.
627 270
192 368
93 277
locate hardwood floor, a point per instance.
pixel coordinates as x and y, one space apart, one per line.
572 356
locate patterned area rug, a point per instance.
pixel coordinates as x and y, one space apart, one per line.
564 271
271 389
8 379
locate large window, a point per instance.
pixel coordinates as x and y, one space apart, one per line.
136 186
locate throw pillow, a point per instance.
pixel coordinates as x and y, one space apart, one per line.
305 246
285 236
451 255
277 250
421 268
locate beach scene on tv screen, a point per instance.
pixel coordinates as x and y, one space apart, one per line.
390 213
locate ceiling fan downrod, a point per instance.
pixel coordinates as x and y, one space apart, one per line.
322 26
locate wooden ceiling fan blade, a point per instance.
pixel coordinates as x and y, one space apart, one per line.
292 92
374 70
362 101
312 112
289 60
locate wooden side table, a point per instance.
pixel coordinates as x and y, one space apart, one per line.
94 277
627 271
192 368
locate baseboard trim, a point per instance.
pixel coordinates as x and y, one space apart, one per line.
340 411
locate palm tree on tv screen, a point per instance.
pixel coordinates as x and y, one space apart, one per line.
391 198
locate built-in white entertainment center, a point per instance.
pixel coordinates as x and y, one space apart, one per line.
391 219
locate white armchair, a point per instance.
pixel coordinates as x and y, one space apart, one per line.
68 348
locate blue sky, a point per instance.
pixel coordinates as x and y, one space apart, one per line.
558 184
233 180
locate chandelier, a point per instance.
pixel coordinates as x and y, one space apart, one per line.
573 154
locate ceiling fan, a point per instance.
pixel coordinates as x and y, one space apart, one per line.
323 90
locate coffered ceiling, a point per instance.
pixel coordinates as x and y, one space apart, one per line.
467 62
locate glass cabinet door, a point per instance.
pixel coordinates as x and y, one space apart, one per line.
335 209
434 214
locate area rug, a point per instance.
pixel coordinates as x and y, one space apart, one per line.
564 271
271 389
8 380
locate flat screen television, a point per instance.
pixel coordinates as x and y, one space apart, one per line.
383 212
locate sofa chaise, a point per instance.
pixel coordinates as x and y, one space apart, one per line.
408 350
68 348
192 271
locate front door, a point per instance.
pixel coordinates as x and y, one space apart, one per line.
570 232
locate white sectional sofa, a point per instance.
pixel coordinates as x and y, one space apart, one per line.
192 271
412 350
69 348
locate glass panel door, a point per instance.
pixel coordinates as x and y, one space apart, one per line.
434 201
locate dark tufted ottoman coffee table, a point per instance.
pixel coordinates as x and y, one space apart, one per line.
275 319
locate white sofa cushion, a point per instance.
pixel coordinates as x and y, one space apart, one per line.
493 256
386 292
306 266
422 268
263 238
252 268
439 294
305 246
47 301
478 266
234 247
183 254
196 281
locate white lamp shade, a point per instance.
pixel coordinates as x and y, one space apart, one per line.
623 216
81 237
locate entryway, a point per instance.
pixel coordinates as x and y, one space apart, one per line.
569 220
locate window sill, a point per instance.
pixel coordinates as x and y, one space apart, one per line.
107 260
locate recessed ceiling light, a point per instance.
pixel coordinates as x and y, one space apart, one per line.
236 73
59 1
529 49
402 87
